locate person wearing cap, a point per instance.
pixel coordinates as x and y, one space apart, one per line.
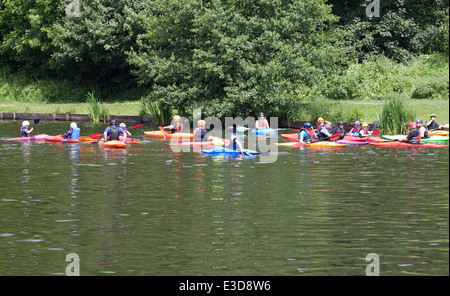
413 136
200 133
113 133
235 140
364 132
320 123
324 133
24 132
175 125
432 124
423 131
355 129
73 133
261 122
124 127
339 129
306 134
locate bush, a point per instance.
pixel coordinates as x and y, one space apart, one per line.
395 116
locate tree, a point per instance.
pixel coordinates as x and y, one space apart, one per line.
237 57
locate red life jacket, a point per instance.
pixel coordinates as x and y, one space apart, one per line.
264 124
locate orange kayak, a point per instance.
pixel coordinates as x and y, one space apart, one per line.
60 139
168 135
113 144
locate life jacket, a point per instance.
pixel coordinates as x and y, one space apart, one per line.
198 134
75 133
321 135
262 124
415 137
310 135
337 129
114 133
178 128
22 133
233 140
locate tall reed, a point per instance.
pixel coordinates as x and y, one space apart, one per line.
161 112
395 116
96 110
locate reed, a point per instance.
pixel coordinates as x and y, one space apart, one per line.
395 116
161 112
96 110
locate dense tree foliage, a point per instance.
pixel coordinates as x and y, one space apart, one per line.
227 57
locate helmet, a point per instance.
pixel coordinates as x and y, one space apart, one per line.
113 122
261 114
176 118
73 125
307 125
419 121
412 124
320 120
432 115
201 122
340 122
25 123
365 124
357 123
123 125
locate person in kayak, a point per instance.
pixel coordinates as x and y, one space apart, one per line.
124 127
324 133
200 133
235 140
339 129
432 124
175 125
320 123
364 132
73 133
306 134
355 129
413 136
113 133
24 132
423 131
261 122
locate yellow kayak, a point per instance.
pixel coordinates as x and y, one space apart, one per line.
438 133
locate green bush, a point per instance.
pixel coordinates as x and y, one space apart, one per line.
395 116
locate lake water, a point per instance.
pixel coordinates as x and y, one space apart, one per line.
147 210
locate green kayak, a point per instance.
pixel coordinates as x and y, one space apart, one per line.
430 139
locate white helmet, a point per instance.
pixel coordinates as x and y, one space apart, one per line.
73 125
123 125
25 123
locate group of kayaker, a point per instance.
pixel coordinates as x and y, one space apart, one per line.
307 134
111 133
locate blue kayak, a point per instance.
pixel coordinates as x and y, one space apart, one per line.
270 132
222 150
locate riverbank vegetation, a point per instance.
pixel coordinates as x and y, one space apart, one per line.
292 59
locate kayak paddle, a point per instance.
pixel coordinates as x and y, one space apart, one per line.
331 138
137 126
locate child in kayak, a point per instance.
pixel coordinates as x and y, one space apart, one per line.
124 127
113 133
339 129
73 133
432 124
423 131
364 132
175 125
235 140
24 132
320 123
413 136
355 129
306 134
261 122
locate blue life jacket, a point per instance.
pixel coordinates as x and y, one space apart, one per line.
75 133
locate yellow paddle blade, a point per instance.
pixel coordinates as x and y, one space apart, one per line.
217 141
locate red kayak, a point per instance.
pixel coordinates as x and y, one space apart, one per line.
404 144
376 139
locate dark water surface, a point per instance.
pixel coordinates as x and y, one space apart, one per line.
147 210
